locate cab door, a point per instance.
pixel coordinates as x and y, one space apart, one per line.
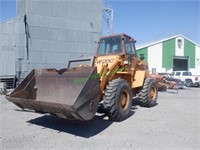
130 51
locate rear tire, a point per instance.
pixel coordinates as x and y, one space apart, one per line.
198 85
188 82
148 95
118 99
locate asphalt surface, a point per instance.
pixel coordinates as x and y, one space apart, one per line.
172 124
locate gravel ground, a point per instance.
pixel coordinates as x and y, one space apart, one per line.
173 124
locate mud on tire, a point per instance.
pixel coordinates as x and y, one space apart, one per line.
149 93
118 99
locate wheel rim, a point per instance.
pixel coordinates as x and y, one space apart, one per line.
124 100
153 93
188 83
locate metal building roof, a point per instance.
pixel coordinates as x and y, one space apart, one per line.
160 41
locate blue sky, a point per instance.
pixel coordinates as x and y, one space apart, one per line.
7 10
148 20
145 20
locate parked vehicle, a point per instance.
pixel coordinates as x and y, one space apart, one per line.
179 83
165 81
187 76
163 84
113 76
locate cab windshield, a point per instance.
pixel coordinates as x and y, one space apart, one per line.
110 45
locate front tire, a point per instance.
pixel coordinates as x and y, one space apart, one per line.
118 99
148 95
188 82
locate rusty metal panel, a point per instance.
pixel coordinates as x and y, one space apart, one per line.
71 93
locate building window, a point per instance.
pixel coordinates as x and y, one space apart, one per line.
179 43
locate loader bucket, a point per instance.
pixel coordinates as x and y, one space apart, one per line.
72 93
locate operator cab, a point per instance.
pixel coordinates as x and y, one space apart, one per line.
116 44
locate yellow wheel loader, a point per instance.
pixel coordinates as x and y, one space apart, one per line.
112 77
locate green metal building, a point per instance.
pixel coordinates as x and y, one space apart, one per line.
168 54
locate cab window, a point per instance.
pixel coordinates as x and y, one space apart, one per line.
110 45
177 74
187 74
129 46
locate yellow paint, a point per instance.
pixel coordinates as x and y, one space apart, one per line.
111 60
138 79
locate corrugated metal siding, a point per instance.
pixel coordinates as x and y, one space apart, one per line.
168 53
59 30
62 30
189 50
143 51
8 46
7 63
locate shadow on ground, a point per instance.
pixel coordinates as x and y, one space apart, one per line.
78 128
136 103
84 129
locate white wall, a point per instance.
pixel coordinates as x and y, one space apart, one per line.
155 57
196 70
179 51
